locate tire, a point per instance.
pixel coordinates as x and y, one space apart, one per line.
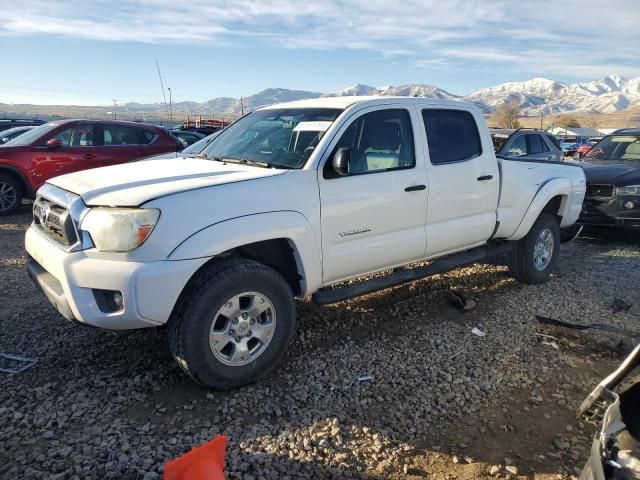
213 305
10 195
532 266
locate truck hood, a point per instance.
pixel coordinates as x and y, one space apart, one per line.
609 173
132 184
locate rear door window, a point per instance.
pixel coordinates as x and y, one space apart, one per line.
452 135
536 144
121 135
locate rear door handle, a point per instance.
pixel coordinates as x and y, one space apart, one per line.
484 178
415 188
89 156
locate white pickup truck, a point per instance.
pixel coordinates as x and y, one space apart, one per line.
290 201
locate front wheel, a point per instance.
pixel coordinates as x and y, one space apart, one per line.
536 254
233 324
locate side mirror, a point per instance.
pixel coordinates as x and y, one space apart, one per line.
53 143
4 140
341 160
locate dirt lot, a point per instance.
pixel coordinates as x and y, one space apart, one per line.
443 403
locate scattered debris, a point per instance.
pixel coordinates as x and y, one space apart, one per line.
546 336
16 363
478 332
461 302
620 305
594 326
456 354
365 378
551 344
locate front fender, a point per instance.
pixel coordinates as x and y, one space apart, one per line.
235 232
553 188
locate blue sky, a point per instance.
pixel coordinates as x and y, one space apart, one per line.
90 52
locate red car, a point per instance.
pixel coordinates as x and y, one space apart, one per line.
582 150
56 148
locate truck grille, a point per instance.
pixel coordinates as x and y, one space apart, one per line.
600 191
54 221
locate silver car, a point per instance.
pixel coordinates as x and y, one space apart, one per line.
526 144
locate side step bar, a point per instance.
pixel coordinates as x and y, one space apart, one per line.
329 296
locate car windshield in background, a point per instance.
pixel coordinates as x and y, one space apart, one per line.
198 146
29 137
498 141
616 148
569 140
281 138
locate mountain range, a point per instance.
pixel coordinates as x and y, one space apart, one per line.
536 96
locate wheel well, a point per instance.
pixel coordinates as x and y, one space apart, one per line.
26 188
278 254
554 205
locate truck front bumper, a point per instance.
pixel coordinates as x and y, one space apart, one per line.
74 282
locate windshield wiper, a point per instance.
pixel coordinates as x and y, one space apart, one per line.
246 161
204 155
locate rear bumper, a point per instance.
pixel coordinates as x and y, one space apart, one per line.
72 282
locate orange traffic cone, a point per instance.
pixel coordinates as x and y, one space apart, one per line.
201 463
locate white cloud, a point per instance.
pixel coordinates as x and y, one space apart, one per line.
533 36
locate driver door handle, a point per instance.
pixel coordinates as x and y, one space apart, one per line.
89 156
415 188
484 178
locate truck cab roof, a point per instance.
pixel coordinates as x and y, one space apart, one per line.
348 101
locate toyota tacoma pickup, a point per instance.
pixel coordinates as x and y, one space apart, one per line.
291 200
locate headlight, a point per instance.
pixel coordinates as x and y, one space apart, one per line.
119 229
629 190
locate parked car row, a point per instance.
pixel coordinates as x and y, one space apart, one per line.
56 148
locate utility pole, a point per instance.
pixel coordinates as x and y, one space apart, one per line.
541 119
115 108
170 106
242 106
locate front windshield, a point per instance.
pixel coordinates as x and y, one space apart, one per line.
569 140
616 148
32 135
281 138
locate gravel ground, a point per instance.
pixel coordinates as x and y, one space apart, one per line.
443 402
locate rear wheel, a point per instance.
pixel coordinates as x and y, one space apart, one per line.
233 324
536 255
10 195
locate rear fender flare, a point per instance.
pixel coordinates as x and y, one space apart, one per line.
553 188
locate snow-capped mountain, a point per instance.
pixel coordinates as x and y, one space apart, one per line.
539 95
412 90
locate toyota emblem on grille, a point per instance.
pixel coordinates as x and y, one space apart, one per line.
42 212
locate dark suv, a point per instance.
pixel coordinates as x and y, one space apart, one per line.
56 148
612 168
